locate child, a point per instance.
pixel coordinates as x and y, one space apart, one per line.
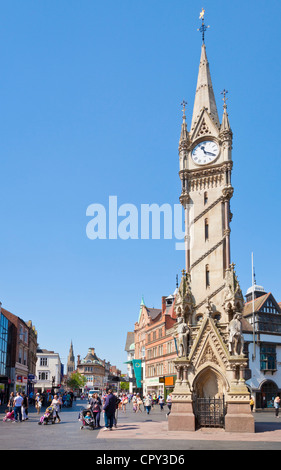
9 415
88 419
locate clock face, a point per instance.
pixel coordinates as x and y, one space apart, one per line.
205 152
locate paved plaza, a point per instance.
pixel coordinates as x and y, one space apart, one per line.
134 432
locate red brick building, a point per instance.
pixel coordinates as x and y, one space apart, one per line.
155 347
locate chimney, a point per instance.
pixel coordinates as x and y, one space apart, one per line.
163 304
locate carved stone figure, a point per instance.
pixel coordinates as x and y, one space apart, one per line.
183 333
236 339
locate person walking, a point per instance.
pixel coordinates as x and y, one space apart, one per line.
24 407
56 404
124 401
277 405
109 410
252 403
11 401
169 404
38 403
147 404
18 400
139 403
95 404
161 402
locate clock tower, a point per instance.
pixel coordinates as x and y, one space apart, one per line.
205 160
209 303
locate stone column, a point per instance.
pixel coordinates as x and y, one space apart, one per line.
238 412
182 417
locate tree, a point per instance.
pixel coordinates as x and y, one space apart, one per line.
76 381
124 386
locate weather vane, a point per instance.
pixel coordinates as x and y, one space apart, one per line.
203 28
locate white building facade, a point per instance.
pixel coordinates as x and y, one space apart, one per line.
263 346
48 370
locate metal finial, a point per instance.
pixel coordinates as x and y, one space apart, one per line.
203 27
224 92
183 104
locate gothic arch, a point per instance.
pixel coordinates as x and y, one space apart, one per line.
210 383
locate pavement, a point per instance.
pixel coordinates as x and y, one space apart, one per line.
135 431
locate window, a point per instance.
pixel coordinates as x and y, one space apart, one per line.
207 276
43 361
206 229
205 197
4 325
268 357
20 356
43 375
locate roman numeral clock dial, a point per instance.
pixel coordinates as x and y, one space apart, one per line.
205 152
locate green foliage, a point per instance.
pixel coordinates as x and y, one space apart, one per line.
76 381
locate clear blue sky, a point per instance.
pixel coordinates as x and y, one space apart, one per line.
90 97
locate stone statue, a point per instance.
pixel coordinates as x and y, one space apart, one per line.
236 339
183 333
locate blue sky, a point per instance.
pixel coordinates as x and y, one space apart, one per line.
90 97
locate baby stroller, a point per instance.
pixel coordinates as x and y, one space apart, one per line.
48 416
87 422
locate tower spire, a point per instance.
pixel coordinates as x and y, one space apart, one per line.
204 96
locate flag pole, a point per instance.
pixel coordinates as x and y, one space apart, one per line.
253 310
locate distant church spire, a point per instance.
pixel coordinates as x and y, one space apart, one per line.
70 361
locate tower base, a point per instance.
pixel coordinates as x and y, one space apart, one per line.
239 418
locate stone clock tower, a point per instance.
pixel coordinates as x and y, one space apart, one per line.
209 303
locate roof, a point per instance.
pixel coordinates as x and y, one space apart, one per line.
129 340
153 312
204 96
258 302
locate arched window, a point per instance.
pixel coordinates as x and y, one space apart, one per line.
205 197
206 230
207 276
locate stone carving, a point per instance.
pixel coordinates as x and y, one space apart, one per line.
233 297
236 339
183 334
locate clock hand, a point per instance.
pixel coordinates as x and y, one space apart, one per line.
209 153
202 148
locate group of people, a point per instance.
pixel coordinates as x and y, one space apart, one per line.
18 404
17 408
98 404
111 402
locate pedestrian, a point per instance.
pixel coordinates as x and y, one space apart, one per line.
139 403
161 402
95 404
11 401
109 410
56 404
124 401
147 404
277 405
18 400
38 403
169 404
252 403
24 407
